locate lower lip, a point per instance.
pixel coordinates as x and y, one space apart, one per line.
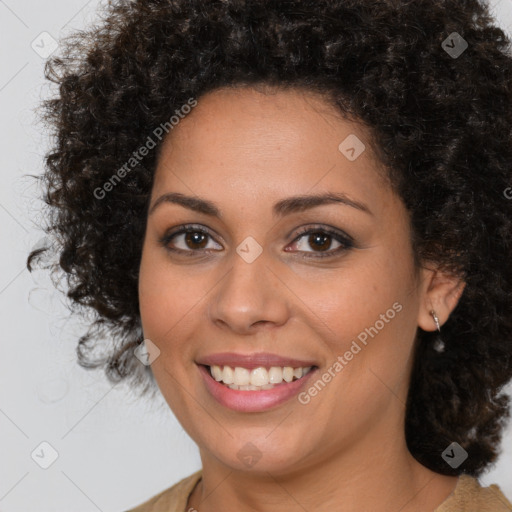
253 401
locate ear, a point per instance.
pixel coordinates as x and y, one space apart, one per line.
440 291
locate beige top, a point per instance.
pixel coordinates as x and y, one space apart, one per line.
468 496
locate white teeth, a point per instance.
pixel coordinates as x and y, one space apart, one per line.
228 376
242 376
288 373
275 375
258 378
216 373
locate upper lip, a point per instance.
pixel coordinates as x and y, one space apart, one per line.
251 361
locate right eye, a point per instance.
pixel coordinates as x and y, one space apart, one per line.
192 239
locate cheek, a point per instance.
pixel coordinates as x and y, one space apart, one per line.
164 300
343 303
369 321
370 324
163 305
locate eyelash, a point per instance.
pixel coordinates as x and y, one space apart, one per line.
346 241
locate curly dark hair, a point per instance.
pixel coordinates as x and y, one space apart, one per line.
440 123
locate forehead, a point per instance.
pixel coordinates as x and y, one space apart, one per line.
271 143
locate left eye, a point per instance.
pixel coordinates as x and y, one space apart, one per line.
321 238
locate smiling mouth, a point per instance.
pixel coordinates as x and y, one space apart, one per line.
256 379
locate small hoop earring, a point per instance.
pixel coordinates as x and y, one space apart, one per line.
436 320
439 345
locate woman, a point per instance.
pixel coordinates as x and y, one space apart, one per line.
293 218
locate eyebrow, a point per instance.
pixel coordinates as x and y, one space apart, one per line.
281 208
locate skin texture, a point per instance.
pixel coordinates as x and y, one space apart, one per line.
246 150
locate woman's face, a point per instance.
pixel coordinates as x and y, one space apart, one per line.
278 282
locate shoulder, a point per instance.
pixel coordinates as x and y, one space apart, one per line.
470 496
173 499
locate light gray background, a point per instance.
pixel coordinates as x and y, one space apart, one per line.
113 452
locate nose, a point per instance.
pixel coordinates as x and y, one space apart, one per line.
249 297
